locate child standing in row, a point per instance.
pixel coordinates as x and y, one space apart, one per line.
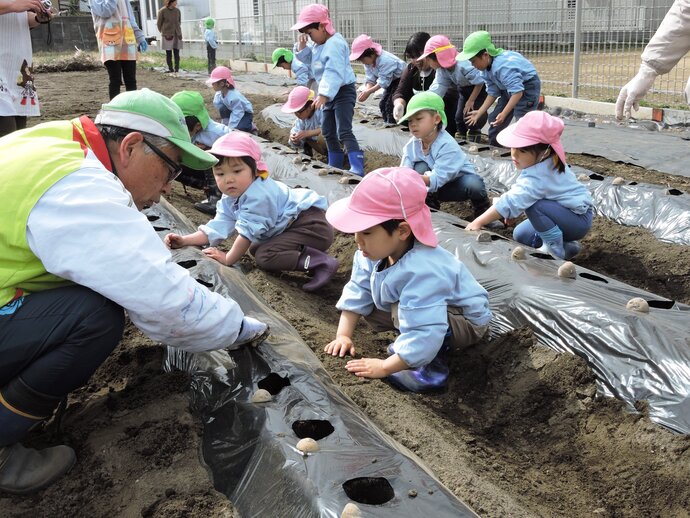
402 280
328 57
436 155
285 59
204 132
305 134
234 108
558 207
211 43
382 70
509 77
283 228
461 76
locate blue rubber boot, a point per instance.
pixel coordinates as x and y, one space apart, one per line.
432 377
553 242
356 159
572 248
336 159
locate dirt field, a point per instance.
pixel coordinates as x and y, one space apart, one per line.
520 432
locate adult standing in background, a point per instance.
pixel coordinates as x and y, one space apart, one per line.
118 37
170 26
18 99
670 43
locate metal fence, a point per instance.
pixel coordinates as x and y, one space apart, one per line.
586 49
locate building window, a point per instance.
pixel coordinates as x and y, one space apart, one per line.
255 7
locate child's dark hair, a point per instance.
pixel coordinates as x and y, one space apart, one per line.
369 53
191 122
246 159
539 150
314 25
390 225
433 57
479 54
282 60
415 45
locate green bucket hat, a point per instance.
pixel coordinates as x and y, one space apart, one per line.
286 54
192 104
475 43
210 23
426 101
151 112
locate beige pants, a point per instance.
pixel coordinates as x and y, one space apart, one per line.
465 333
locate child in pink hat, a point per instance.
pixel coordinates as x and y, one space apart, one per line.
402 280
235 109
328 57
283 228
558 207
382 71
305 134
461 76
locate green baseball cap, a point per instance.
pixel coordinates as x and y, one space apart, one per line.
286 54
210 23
151 112
192 105
426 101
475 43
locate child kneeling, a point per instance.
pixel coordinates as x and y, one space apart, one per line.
402 280
283 228
305 134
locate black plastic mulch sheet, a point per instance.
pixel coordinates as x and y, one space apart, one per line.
663 211
250 447
635 356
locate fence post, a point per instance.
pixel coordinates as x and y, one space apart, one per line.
239 30
465 25
577 43
263 29
294 18
389 39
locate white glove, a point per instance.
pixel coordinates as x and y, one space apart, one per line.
398 111
252 330
631 93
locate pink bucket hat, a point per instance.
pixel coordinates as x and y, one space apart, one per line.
298 97
314 13
362 43
441 46
220 73
383 194
536 127
237 144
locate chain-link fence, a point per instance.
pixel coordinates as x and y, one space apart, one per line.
581 48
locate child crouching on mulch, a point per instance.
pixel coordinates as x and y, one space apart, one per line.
401 279
305 134
283 228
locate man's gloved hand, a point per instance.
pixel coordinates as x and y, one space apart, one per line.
252 330
398 111
631 94
143 46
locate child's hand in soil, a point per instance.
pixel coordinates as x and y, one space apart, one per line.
341 346
216 254
367 368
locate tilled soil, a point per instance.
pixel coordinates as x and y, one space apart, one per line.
520 431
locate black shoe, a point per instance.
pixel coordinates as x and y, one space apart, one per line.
207 206
432 201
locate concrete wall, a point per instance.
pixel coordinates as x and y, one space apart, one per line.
67 32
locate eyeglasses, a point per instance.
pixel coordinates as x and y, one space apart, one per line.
175 168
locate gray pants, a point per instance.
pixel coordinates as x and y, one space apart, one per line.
282 252
465 333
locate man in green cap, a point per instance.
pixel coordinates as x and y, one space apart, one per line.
75 252
285 59
509 77
204 132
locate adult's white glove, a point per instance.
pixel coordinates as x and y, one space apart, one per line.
636 89
398 111
252 330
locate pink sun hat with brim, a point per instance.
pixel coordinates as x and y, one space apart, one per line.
536 127
236 144
298 97
441 46
383 194
362 43
314 13
220 73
